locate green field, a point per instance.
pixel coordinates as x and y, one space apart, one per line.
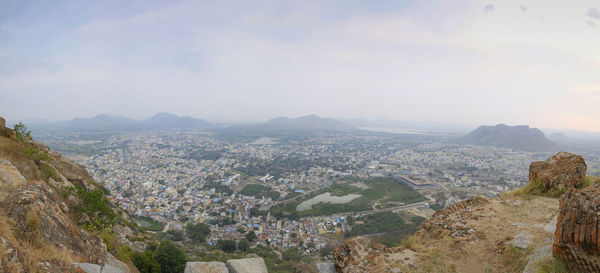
384 190
148 223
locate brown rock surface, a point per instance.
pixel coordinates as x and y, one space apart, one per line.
562 171
452 218
576 239
360 254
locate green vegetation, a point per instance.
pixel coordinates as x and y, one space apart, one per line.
170 257
93 204
197 232
394 227
144 261
21 132
536 187
384 190
251 236
259 191
243 245
227 245
219 188
148 223
48 172
554 265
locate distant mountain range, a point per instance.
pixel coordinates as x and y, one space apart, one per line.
108 122
514 137
310 123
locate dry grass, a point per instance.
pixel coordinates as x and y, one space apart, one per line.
25 238
553 265
489 252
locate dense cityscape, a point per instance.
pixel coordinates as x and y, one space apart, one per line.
170 178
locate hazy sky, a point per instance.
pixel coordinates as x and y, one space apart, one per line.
470 62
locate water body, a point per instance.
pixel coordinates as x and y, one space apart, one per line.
264 141
326 198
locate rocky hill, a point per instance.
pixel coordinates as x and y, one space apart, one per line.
54 217
514 137
528 230
308 123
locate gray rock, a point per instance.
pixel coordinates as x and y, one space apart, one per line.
113 265
551 227
248 265
89 268
537 255
522 240
517 224
326 268
205 267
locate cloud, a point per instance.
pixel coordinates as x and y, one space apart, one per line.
489 8
593 13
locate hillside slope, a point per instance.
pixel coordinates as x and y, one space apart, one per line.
474 236
53 215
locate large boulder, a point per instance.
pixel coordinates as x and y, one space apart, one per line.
205 267
247 265
562 171
576 239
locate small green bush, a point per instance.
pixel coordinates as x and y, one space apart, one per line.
95 205
48 172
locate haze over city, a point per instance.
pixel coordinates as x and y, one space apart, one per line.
460 62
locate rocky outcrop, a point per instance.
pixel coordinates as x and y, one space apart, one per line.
576 239
206 267
452 218
360 254
38 230
248 265
562 171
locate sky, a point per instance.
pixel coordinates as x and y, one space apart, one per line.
454 61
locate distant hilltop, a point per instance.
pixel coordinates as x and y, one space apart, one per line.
109 122
309 123
513 137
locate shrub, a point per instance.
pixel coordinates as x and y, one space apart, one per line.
170 258
251 236
243 245
197 232
144 261
48 172
93 204
21 132
227 245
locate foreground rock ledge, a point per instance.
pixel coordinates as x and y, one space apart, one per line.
576 239
562 171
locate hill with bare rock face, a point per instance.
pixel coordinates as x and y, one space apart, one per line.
54 217
513 137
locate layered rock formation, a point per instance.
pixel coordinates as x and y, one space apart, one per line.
562 171
452 218
577 237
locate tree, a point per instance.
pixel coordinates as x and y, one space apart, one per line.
170 258
227 245
197 232
251 236
243 245
144 261
175 235
292 254
21 132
